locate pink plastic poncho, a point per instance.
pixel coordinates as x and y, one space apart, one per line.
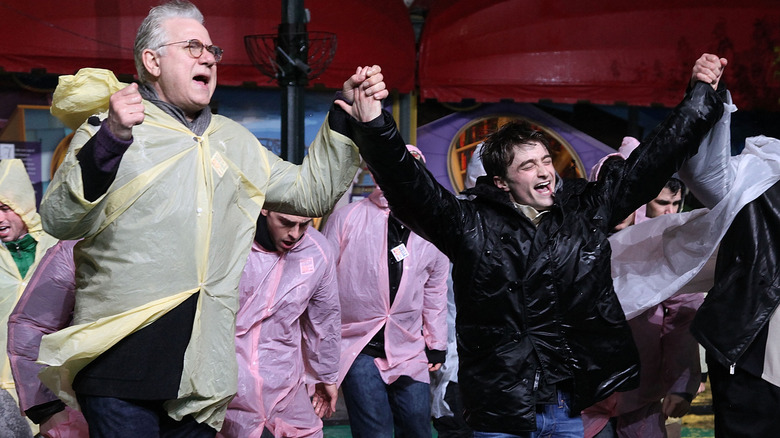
287 335
418 316
45 307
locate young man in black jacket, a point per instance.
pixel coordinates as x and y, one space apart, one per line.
541 333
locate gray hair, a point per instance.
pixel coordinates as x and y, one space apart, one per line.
151 34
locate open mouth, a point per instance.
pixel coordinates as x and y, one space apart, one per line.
203 79
543 188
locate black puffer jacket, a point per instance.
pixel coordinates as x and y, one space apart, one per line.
535 305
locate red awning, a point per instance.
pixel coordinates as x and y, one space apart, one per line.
640 53
60 38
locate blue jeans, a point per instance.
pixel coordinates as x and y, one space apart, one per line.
375 408
111 417
554 421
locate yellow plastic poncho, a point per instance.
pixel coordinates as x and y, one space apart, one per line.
179 218
16 191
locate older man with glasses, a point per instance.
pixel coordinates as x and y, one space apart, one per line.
165 196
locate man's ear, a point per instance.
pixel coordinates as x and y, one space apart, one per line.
151 62
500 183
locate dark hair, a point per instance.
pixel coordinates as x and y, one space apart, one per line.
498 150
675 185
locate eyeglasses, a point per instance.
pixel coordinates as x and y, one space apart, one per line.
196 49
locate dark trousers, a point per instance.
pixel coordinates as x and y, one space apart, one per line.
745 405
109 417
455 426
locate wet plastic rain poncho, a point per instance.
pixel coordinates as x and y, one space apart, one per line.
179 218
678 251
45 307
418 315
729 185
287 334
16 191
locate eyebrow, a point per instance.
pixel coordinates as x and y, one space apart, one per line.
289 223
531 160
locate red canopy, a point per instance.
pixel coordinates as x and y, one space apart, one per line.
640 53
62 38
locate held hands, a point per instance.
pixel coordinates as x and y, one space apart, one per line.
125 110
365 90
324 399
708 68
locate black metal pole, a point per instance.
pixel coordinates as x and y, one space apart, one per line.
292 56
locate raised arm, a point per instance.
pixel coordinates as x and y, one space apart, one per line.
708 174
708 69
664 151
367 84
100 157
312 188
414 195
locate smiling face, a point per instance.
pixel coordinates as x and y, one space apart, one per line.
180 79
285 229
530 178
12 227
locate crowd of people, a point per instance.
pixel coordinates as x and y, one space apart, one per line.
173 284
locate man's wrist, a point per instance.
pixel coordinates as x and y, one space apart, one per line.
340 96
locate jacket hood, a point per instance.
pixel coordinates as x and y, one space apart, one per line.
626 147
16 191
378 198
79 96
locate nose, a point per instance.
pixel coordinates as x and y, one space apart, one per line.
207 58
295 232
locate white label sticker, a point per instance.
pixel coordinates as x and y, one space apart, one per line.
307 266
400 252
219 164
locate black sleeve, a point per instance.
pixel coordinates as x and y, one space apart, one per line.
414 195
99 160
435 356
661 153
40 413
